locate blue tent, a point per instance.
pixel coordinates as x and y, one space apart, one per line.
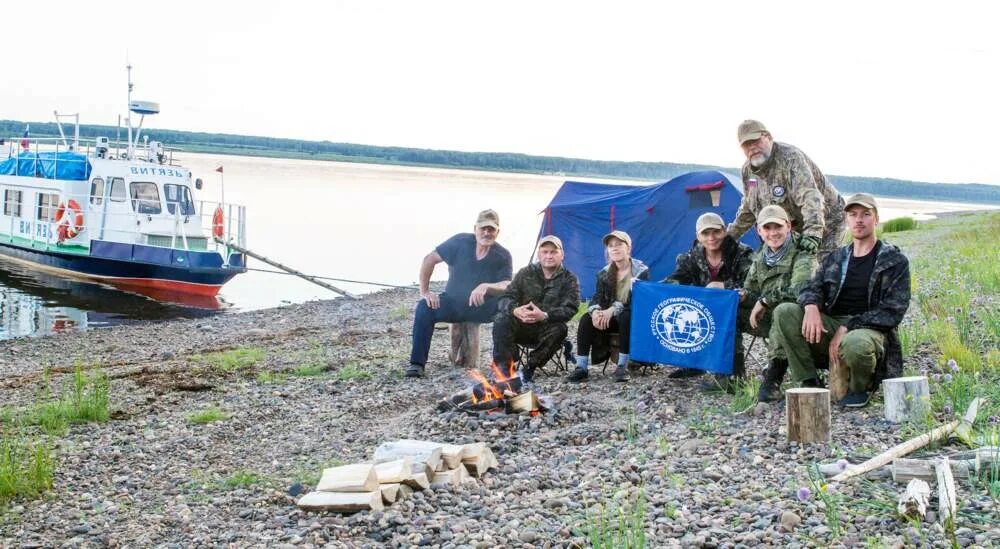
660 219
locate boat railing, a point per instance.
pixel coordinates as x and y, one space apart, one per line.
151 151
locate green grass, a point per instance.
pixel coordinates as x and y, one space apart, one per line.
271 377
631 425
242 479
352 371
619 525
86 401
744 393
27 468
232 360
311 370
208 415
898 224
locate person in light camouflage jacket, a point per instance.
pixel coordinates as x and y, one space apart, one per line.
849 310
535 308
778 173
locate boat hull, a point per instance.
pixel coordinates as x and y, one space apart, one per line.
137 266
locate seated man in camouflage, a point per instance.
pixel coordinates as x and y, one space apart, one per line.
849 310
778 272
535 309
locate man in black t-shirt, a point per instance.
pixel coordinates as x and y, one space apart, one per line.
848 311
479 270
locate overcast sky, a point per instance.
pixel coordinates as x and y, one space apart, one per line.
891 89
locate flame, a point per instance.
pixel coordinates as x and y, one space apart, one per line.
491 391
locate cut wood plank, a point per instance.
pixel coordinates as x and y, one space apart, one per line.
394 472
418 481
913 502
906 398
524 402
404 492
452 478
418 450
947 506
807 413
452 454
390 492
482 464
473 450
342 502
905 470
896 451
357 477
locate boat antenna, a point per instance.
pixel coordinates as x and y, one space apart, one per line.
128 119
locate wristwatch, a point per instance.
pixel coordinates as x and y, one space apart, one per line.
545 316
763 301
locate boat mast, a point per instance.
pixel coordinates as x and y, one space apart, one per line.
130 152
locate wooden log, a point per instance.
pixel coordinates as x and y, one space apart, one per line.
947 506
913 502
807 412
417 450
524 402
905 470
906 398
465 344
342 502
394 472
483 462
418 481
404 492
840 377
358 477
451 478
964 430
390 492
896 451
452 454
473 450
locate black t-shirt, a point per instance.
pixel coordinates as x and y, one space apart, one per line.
853 298
465 272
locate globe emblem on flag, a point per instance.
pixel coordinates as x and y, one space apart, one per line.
683 325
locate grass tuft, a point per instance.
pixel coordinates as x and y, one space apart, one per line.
351 372
619 526
208 415
233 360
26 468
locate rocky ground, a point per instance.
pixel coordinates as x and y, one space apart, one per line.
150 477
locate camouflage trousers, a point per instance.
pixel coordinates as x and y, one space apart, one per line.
545 338
859 350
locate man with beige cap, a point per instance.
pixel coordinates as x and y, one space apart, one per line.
780 174
848 312
535 308
479 270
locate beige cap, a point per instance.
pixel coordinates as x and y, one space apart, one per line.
862 199
772 214
550 239
750 130
709 221
488 218
620 235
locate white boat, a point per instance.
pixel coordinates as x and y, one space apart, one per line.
122 213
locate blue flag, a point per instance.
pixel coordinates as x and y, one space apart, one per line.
687 326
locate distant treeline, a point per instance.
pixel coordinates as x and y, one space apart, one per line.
513 162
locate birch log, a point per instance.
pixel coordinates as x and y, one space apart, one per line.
896 451
807 411
906 398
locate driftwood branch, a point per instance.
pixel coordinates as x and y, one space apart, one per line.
947 506
896 451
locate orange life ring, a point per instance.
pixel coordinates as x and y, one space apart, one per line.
69 219
217 223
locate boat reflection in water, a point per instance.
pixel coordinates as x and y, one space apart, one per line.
35 304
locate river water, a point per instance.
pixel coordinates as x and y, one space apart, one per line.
345 220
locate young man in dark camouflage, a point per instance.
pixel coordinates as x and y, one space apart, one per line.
534 310
778 173
849 311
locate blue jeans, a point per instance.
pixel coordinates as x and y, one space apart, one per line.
450 310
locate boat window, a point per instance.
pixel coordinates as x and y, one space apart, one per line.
48 203
145 198
178 195
117 189
12 203
97 191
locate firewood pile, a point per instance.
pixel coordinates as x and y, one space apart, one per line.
396 470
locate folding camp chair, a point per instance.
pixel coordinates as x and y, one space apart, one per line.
559 362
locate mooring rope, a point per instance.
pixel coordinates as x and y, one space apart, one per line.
337 279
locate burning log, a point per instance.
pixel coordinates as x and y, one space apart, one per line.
342 502
359 477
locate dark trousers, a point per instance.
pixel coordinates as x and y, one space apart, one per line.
546 337
588 336
450 310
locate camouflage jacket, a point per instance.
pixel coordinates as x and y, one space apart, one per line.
605 297
888 298
782 282
793 181
692 266
558 296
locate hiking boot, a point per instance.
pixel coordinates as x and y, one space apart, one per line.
578 375
856 400
770 388
621 374
681 373
812 382
415 370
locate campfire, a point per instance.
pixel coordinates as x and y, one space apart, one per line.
505 393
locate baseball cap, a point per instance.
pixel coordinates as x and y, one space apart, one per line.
861 199
709 221
488 218
550 239
750 130
772 214
620 235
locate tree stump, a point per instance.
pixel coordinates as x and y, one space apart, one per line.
465 344
905 398
807 412
840 376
